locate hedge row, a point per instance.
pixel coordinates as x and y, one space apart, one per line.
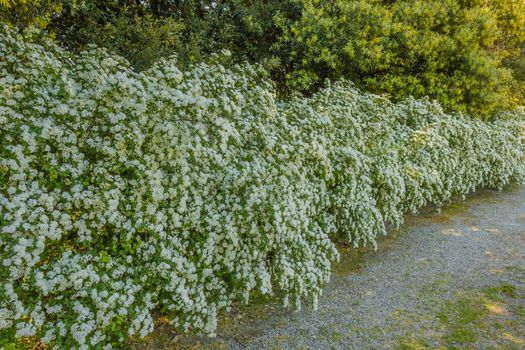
126 195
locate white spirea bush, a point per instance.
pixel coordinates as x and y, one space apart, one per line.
126 195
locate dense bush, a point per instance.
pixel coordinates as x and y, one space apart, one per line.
126 27
193 29
127 195
461 52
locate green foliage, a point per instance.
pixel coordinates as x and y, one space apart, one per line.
245 28
24 13
451 50
144 31
467 54
179 192
126 27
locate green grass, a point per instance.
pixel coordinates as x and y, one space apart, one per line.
463 318
493 317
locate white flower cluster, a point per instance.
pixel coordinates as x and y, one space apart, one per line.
124 195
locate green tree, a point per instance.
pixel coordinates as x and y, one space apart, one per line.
466 54
23 13
144 31
126 27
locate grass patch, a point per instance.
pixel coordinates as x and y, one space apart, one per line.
498 293
413 344
463 319
492 318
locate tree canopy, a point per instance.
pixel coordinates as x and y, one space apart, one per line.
467 54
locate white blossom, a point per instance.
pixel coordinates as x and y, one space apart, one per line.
125 193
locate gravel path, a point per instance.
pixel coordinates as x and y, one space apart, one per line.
410 293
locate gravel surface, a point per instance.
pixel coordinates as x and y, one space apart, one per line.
401 296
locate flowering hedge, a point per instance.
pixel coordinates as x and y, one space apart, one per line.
127 195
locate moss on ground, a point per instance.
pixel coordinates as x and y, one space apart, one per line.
463 319
493 318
